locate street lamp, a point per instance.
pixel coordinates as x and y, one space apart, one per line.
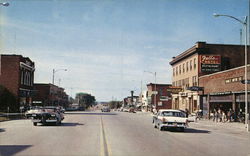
245 25
154 73
5 4
54 71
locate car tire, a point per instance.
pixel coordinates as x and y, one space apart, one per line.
35 123
182 129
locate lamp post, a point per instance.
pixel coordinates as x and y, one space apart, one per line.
154 73
54 71
5 4
246 102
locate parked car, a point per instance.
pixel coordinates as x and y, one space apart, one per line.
32 110
105 109
131 110
170 118
47 115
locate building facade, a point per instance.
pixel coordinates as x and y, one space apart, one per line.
224 90
49 95
17 75
158 96
199 60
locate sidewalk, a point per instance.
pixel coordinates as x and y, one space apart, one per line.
231 126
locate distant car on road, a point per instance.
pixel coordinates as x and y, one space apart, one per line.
105 109
46 115
170 118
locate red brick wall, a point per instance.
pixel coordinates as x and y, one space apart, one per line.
216 82
10 75
163 88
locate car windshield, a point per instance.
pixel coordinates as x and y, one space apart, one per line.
173 114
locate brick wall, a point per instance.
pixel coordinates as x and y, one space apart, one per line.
10 75
217 82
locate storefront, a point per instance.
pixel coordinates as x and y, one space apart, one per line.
224 101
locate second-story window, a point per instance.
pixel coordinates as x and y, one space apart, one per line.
180 69
194 63
176 70
183 68
173 72
187 66
190 64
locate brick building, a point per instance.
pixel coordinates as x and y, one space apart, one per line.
159 96
17 75
49 95
224 90
199 60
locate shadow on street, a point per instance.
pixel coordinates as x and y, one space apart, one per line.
189 130
63 124
9 150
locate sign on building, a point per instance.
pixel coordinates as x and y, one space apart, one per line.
210 63
174 90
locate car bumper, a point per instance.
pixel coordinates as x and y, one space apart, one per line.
182 125
48 121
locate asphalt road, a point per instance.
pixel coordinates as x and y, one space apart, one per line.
117 134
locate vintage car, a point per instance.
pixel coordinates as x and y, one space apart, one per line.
32 110
170 118
105 109
47 115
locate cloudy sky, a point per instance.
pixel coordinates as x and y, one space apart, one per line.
106 45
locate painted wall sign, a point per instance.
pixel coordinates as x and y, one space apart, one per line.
210 63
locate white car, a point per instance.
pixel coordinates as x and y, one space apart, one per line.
170 118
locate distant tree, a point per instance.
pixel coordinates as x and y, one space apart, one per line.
115 104
8 100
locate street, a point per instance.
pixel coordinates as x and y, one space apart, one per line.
118 133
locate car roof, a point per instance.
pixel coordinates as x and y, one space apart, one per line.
169 110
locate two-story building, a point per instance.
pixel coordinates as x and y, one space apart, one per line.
17 75
158 96
47 94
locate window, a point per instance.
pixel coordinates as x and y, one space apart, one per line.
180 69
194 63
194 79
187 65
176 70
190 64
173 72
183 68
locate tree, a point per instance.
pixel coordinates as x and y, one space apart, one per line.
8 100
115 104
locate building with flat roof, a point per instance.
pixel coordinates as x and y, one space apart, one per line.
224 90
17 75
199 60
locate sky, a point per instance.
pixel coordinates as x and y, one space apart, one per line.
107 45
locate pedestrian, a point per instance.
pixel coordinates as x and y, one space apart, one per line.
187 112
229 115
223 116
220 115
214 114
233 116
